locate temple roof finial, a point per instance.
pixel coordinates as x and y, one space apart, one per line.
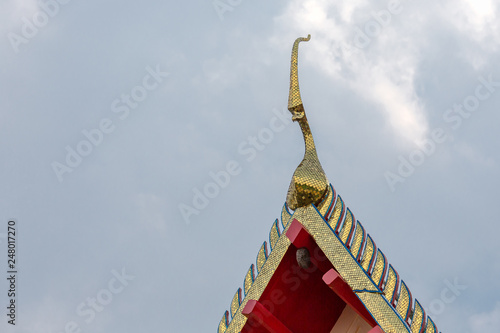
309 184
294 99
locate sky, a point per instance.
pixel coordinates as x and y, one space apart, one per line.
147 150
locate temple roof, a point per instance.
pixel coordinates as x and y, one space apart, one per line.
340 246
322 271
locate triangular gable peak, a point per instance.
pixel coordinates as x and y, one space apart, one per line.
322 272
349 285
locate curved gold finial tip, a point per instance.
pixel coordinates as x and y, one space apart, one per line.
294 99
304 39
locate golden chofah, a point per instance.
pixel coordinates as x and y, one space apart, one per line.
309 183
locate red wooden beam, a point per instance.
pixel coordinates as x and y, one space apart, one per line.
256 312
298 235
341 288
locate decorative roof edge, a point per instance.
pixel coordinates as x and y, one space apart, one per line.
362 248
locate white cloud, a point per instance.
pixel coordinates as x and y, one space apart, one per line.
486 321
476 20
379 59
380 69
13 11
477 13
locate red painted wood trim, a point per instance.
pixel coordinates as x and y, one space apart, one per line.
255 311
341 288
300 238
298 235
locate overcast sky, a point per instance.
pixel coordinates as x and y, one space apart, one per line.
116 115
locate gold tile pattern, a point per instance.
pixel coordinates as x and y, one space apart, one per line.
430 327
274 234
390 290
347 228
355 274
337 215
350 270
261 281
261 256
249 278
235 303
285 216
358 241
404 302
368 255
309 184
294 98
417 321
379 269
223 323
326 205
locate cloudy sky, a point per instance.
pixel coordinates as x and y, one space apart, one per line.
115 116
